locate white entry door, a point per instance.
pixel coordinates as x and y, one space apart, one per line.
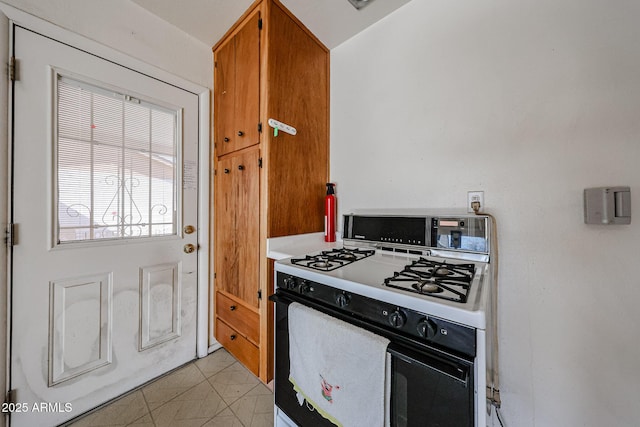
104 274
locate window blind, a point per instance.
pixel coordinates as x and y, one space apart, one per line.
116 160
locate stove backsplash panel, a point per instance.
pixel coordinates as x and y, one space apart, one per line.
403 230
456 233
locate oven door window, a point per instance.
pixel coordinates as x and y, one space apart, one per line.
428 391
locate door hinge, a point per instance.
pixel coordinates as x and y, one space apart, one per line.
260 23
214 275
10 237
13 69
259 127
10 397
260 162
259 294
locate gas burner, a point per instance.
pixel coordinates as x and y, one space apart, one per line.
321 264
434 278
442 271
426 287
348 254
332 259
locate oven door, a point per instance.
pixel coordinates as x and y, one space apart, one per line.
429 388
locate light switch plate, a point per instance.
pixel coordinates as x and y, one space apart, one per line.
607 205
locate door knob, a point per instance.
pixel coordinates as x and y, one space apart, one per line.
189 248
189 229
226 139
240 133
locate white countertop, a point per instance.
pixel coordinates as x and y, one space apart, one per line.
298 244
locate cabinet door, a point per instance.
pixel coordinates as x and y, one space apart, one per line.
237 239
226 256
224 98
247 223
247 99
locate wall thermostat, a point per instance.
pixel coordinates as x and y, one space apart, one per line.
607 205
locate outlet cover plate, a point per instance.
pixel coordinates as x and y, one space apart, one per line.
475 196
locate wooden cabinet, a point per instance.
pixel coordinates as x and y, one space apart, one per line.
268 65
236 214
246 352
237 88
241 318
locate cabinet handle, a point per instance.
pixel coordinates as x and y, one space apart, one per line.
240 133
232 308
226 139
233 337
241 167
226 170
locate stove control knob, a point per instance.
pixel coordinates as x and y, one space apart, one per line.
343 299
305 287
289 283
397 319
427 328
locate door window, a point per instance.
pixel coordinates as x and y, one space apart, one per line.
116 157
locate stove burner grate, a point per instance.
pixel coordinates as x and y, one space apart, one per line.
332 259
436 279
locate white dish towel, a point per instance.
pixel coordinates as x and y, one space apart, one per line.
341 370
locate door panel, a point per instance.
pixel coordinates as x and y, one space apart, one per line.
247 84
226 259
160 304
224 99
237 210
247 219
81 326
92 320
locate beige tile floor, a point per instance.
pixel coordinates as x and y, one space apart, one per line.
215 391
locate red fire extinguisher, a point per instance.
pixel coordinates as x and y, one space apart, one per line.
330 214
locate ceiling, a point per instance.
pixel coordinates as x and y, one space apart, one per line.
332 21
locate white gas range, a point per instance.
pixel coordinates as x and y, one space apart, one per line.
423 282
368 279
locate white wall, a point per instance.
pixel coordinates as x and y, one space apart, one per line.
128 28
530 101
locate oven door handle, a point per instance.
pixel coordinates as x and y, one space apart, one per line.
453 370
281 299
